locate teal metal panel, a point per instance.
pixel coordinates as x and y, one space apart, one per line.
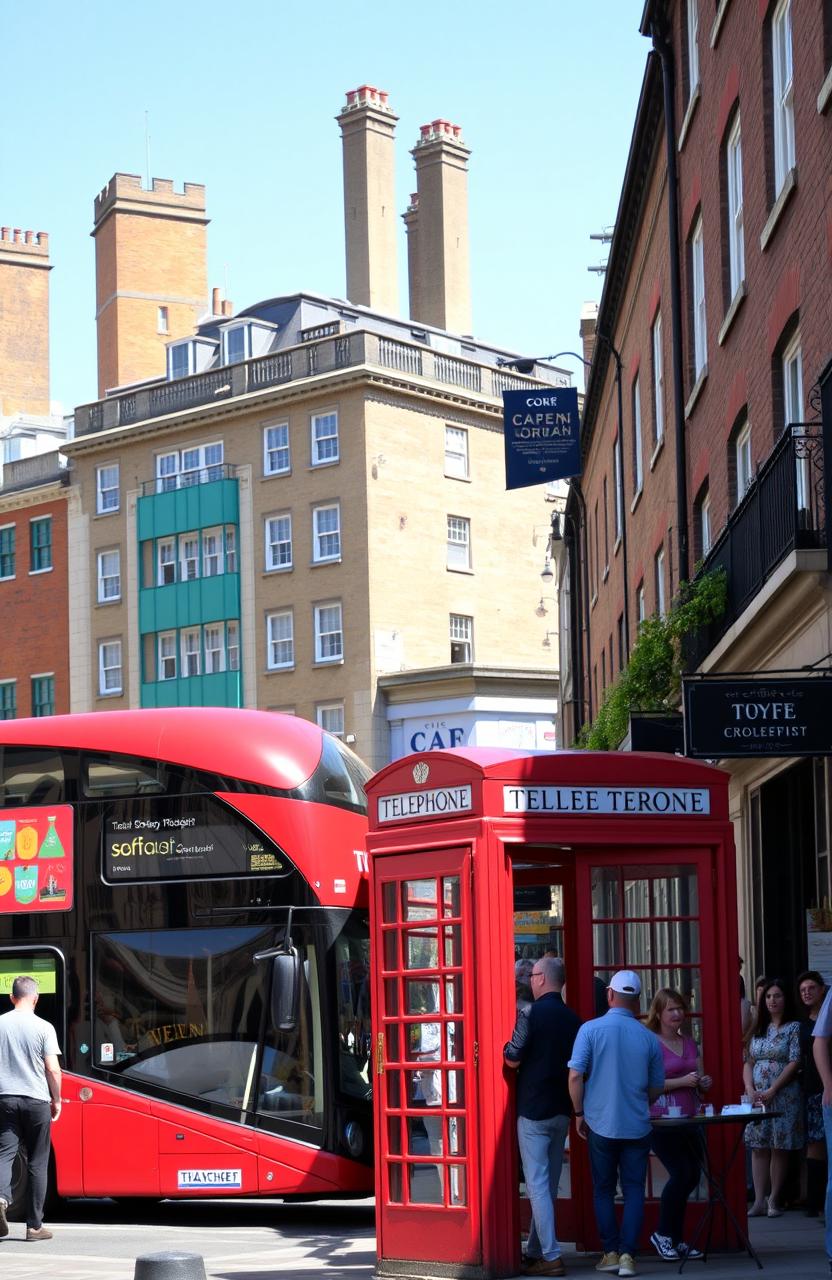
189 604
198 506
220 689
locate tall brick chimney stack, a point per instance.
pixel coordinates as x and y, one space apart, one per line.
151 274
589 326
414 274
367 130
444 292
24 322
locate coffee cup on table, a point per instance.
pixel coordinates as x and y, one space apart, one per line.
674 1112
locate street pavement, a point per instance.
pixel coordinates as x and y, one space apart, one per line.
269 1240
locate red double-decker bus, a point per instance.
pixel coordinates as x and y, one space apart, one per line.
189 888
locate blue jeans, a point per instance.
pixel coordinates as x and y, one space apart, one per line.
681 1154
541 1150
611 1159
827 1128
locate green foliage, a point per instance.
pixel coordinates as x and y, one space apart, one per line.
652 679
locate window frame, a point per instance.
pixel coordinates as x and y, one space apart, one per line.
459 547
699 316
268 450
104 668
320 634
705 526
8 705
101 507
39 550
692 28
792 359
661 586
320 711
464 636
453 470
317 535
782 93
619 489
163 658
188 656
103 577
232 646
210 668
46 678
161 564
183 541
273 641
638 441
736 215
317 460
272 544
658 379
9 553
743 459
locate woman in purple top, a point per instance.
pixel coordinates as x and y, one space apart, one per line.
678 1149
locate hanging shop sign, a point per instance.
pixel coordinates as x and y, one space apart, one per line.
542 435
36 859
757 716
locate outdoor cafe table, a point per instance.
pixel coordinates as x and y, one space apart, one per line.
716 1178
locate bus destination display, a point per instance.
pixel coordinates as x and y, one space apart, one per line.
36 859
158 840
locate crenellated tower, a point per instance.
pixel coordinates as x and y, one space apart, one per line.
24 322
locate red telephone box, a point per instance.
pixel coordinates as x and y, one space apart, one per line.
615 859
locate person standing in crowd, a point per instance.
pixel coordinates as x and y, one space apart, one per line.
539 1050
679 1150
822 1048
615 1072
770 1075
30 1080
811 989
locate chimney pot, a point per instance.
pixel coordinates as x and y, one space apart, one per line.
216 303
227 308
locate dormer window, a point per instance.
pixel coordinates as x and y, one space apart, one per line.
236 344
180 359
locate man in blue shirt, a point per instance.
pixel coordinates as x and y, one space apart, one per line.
615 1072
539 1051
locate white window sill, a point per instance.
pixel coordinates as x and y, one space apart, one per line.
697 391
271 475
104 604
718 21
825 95
314 564
111 693
327 462
789 184
606 573
731 313
657 451
282 568
637 499
618 540
449 475
274 671
34 573
593 601
8 577
689 114
453 569
113 511
328 662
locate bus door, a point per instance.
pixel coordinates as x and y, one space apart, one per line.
544 920
425 1058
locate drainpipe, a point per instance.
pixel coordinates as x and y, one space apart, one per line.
665 52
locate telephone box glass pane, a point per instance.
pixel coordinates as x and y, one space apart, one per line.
456 1184
394 1135
422 997
456 1136
391 949
675 892
606 897
453 994
424 1135
389 897
391 997
426 1183
606 941
637 938
677 940
422 949
394 1184
454 1041
453 945
450 896
424 1041
419 900
391 1042
394 1089
456 1088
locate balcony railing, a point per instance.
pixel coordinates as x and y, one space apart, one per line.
783 511
326 355
187 479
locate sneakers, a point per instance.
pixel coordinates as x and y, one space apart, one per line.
627 1266
38 1233
4 1222
664 1247
685 1251
609 1262
546 1267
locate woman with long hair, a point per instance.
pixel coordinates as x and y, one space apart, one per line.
811 989
770 1075
678 1149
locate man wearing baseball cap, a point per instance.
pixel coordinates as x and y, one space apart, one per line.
615 1072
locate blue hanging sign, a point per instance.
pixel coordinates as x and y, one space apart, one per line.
542 435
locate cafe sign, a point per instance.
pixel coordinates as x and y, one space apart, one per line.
542 441
757 716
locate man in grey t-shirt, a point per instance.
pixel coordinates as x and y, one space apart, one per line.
30 1098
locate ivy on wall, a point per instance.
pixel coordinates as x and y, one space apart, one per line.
652 679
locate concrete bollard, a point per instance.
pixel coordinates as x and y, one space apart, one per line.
170 1266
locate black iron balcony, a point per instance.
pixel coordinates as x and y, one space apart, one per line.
783 511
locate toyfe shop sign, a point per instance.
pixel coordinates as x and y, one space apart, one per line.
758 717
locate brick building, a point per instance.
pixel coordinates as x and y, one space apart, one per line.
304 507
716 316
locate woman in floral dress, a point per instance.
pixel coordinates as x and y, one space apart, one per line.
770 1075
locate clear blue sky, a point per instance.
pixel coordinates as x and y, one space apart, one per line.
242 98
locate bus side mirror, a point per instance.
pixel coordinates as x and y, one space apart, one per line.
285 989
